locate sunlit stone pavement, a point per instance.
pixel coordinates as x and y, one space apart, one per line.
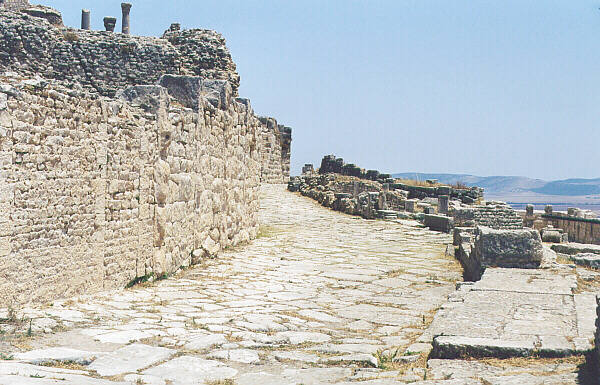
318 298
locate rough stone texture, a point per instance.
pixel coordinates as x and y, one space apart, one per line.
352 287
106 62
129 358
575 248
439 223
332 164
484 247
581 226
508 248
275 142
587 259
316 282
500 373
597 353
369 199
95 192
14 5
495 215
516 313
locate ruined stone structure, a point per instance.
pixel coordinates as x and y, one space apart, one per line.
580 226
14 5
495 215
106 63
275 140
113 165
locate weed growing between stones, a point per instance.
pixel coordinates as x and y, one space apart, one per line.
6 357
266 231
147 279
386 358
221 382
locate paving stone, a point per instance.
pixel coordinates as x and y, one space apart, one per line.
296 356
317 376
12 373
186 370
42 356
347 348
263 379
123 337
515 313
244 356
296 338
357 358
206 342
129 359
542 371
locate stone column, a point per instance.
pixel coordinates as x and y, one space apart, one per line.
529 210
443 202
110 23
85 19
125 7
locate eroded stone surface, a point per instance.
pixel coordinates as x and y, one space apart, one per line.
516 313
314 300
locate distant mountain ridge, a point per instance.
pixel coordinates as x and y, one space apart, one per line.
514 184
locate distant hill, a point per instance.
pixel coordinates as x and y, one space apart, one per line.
515 184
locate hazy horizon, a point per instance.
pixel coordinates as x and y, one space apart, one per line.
478 87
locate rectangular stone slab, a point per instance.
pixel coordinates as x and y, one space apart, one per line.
516 313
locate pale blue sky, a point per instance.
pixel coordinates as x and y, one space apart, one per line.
490 87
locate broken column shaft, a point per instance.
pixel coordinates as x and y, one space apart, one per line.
85 19
109 23
125 7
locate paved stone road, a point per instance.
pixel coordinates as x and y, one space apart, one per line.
319 298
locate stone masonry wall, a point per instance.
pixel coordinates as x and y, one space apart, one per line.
106 62
579 229
495 215
14 5
95 192
274 145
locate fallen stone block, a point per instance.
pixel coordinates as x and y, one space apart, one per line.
575 248
463 234
508 248
439 223
586 259
479 347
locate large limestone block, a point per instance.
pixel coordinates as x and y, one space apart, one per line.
508 248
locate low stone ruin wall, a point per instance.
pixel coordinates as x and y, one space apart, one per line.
105 62
495 215
95 192
579 228
364 198
334 165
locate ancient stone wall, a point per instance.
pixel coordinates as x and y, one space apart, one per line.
95 192
274 143
579 228
495 215
14 5
106 62
332 164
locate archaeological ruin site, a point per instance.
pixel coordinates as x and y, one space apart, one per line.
151 233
